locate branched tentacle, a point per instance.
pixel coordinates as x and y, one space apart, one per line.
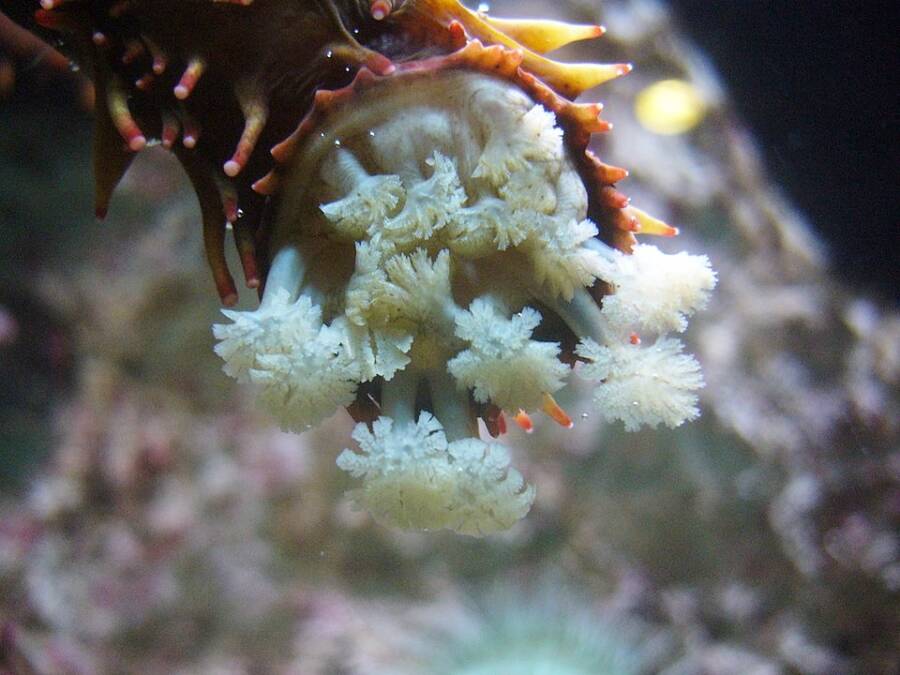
428 182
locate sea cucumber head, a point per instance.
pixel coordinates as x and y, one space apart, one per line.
411 191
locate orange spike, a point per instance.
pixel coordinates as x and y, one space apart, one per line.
606 174
552 408
120 8
612 198
255 114
647 224
524 421
542 36
189 78
282 152
267 184
624 222
588 116
573 79
569 79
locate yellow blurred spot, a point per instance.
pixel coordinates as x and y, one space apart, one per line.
670 107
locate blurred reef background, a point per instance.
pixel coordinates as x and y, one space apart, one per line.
151 521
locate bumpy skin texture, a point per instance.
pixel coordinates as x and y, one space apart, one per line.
407 180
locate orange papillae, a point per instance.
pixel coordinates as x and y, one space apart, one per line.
553 409
523 419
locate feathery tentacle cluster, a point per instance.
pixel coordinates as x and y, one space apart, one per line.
436 201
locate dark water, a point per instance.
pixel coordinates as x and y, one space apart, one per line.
818 85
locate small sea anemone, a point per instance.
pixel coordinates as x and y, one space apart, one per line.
549 633
430 235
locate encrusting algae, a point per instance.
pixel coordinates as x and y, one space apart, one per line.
433 241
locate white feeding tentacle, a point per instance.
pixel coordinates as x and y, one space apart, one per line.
302 387
517 141
428 206
414 479
503 364
368 200
280 321
654 291
643 385
562 261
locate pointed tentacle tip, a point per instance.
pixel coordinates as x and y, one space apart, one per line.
555 411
